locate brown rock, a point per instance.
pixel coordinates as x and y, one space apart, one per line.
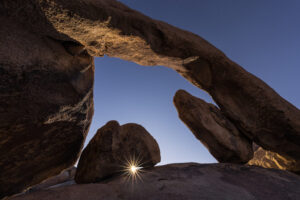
111 28
269 159
256 109
218 134
112 147
46 106
186 181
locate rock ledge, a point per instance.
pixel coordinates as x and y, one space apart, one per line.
186 181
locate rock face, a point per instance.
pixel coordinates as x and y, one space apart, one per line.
112 147
186 181
269 159
46 105
216 132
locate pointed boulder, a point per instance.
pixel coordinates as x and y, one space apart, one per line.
216 132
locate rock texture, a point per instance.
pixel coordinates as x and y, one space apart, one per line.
112 147
269 159
186 181
216 132
46 105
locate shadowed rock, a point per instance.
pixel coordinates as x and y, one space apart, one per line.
186 181
112 148
46 106
218 134
269 159
66 176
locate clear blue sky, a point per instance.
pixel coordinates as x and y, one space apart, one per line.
261 35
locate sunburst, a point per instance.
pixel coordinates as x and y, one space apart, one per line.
132 169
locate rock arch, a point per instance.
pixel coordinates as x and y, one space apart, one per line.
49 44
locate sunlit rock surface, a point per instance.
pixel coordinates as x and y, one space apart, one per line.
216 132
269 159
188 181
115 148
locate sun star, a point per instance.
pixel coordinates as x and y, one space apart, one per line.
133 169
